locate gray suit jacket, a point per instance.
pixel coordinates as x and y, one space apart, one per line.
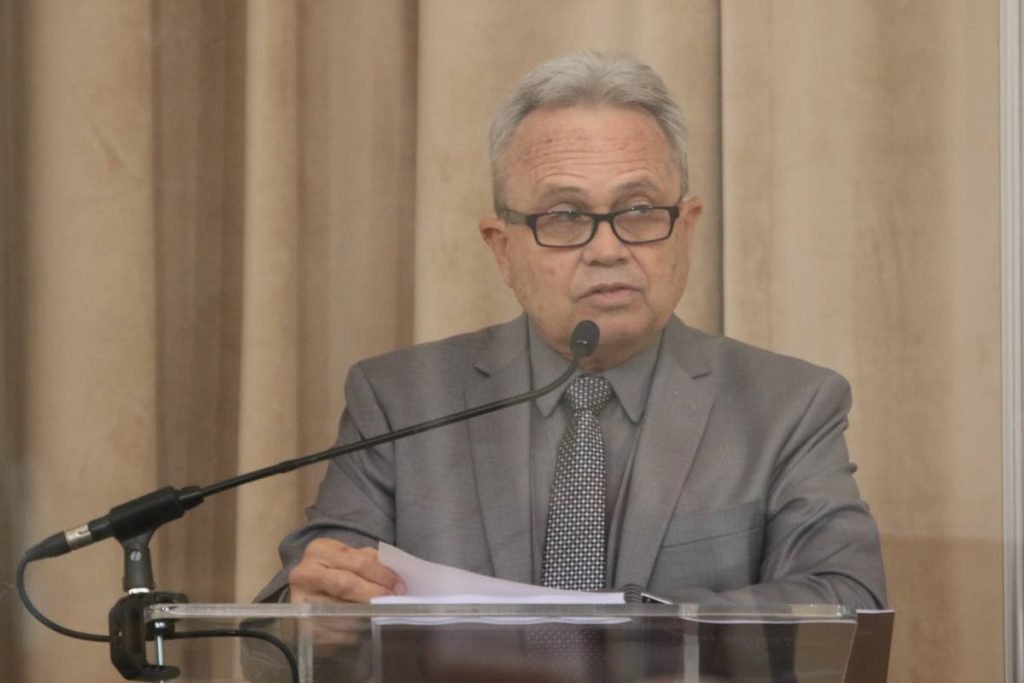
741 489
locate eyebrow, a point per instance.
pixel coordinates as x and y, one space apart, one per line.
575 192
560 192
638 185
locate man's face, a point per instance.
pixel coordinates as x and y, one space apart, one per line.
593 159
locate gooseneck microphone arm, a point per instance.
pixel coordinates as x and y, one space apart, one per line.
584 340
148 512
133 524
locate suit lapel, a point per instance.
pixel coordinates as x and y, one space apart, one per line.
500 447
673 424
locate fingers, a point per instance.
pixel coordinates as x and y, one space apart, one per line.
331 571
360 561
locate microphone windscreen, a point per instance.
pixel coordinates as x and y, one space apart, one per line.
583 341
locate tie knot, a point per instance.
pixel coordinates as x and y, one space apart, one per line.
588 393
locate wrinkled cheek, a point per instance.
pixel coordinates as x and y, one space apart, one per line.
542 293
529 290
675 276
681 275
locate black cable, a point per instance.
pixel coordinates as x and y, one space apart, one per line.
293 663
147 513
284 467
63 630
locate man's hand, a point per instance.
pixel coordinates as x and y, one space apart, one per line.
331 571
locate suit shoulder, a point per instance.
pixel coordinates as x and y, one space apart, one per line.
763 360
743 365
453 357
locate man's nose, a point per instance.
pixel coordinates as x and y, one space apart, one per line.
606 246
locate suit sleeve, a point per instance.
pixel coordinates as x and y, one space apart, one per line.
821 544
355 503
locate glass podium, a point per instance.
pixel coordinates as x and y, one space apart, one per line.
512 642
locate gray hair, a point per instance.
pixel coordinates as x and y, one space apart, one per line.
588 77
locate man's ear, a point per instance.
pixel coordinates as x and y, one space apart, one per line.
493 230
689 214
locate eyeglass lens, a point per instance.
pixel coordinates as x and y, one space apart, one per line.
569 228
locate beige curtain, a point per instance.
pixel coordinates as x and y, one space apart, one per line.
861 175
211 209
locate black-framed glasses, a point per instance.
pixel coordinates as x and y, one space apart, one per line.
565 229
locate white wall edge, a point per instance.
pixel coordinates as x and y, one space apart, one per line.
1011 23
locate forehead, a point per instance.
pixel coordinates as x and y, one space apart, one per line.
588 149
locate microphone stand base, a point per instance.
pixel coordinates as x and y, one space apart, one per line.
129 633
127 624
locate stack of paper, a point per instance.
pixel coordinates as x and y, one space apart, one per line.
429 582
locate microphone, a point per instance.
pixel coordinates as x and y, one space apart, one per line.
124 521
146 513
583 341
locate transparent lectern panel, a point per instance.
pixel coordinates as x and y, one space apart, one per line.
546 643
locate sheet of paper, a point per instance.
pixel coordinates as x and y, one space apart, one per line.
429 582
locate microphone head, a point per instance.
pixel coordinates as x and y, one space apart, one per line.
583 341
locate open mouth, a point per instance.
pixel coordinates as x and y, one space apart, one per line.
612 294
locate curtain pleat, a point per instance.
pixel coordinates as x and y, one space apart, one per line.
12 312
90 334
268 387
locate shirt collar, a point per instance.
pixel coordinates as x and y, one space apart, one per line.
631 381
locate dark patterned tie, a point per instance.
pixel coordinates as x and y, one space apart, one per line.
574 542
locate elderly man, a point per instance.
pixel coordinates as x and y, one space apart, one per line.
692 465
